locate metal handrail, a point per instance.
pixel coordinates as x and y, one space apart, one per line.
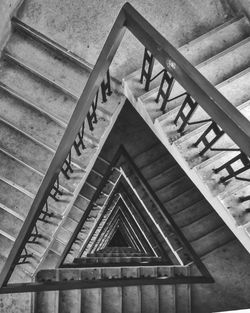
214 103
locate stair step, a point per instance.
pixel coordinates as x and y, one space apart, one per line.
206 172
167 301
22 175
183 200
46 97
33 33
9 223
69 300
158 166
201 227
131 295
185 143
155 152
238 209
24 148
47 61
46 94
92 298
198 50
227 63
32 153
216 40
172 190
212 241
150 293
235 90
166 177
111 297
47 301
183 298
192 213
6 246
30 121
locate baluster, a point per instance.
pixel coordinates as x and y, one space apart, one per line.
213 129
91 117
34 236
147 68
67 167
244 161
106 87
168 80
45 213
24 257
78 143
55 191
192 106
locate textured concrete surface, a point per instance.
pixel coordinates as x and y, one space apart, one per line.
240 6
83 25
7 7
230 268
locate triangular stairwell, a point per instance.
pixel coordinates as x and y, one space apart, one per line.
109 215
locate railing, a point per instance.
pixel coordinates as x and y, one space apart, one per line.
221 111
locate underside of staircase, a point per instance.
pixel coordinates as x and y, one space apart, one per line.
149 211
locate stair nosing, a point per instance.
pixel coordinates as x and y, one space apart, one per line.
150 93
196 40
33 169
224 25
49 80
30 103
40 143
12 212
10 237
15 59
222 53
174 214
17 187
21 26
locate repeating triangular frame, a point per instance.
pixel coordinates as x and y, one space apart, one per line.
124 163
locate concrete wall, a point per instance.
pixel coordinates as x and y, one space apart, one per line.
241 6
7 8
229 265
230 268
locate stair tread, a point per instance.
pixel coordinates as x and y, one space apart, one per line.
45 60
200 49
235 90
33 33
183 200
238 209
166 177
46 96
18 173
192 213
14 199
23 148
212 241
30 121
202 226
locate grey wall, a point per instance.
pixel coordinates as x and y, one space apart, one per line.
241 6
230 268
7 7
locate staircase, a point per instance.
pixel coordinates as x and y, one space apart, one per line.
200 146
40 83
171 193
146 298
